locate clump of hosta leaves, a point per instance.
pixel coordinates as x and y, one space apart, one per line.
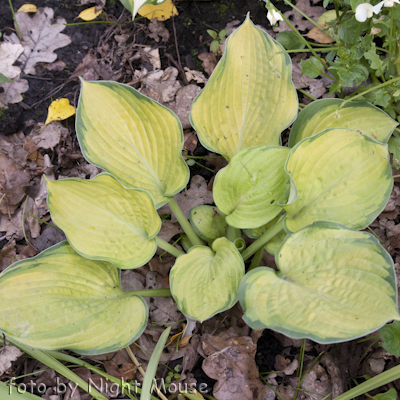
305 203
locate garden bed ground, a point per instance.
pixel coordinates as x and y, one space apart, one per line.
133 53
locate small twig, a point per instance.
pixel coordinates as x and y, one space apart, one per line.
141 370
178 55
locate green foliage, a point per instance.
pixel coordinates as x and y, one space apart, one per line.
391 338
304 203
218 38
391 394
289 40
4 79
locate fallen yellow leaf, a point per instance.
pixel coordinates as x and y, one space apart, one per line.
161 11
28 8
89 14
59 110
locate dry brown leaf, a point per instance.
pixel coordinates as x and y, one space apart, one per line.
196 195
55 66
39 37
158 30
190 141
92 68
14 180
231 361
196 76
12 92
209 62
126 372
8 354
297 20
163 87
9 53
99 3
49 136
7 256
319 36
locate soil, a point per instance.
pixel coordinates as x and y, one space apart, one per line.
191 38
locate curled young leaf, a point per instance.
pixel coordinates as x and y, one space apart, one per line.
205 282
251 188
333 284
104 221
133 138
60 300
250 98
337 175
208 222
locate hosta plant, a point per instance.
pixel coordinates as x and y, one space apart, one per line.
306 203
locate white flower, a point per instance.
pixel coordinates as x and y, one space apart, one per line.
390 3
274 16
366 10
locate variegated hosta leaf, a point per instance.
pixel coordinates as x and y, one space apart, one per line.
133 138
340 176
104 221
358 116
333 284
135 5
60 300
250 98
273 245
208 222
205 282
252 186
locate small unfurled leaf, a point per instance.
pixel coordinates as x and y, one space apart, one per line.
338 175
205 281
162 11
28 8
89 14
104 221
59 110
333 284
60 300
250 190
390 334
311 67
208 222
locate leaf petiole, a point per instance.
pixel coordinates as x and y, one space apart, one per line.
264 239
196 241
